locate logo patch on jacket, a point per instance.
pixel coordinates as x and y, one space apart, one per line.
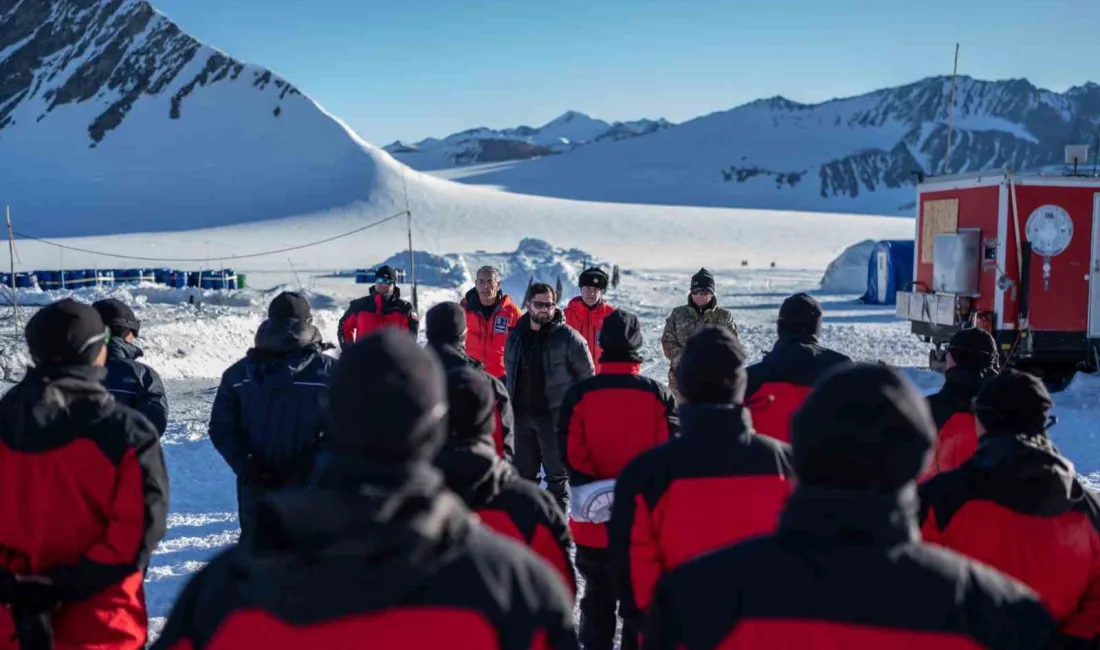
500 326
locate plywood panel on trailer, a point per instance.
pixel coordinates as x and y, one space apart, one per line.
938 216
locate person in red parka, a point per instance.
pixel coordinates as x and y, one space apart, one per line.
971 361
717 483
490 486
1017 505
84 501
606 421
490 313
586 312
783 378
846 567
383 307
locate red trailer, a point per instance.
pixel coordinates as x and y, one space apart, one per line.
1017 255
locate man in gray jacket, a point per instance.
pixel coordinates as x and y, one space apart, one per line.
543 358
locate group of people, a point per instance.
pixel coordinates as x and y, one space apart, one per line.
394 496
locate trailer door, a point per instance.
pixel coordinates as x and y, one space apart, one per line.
1094 272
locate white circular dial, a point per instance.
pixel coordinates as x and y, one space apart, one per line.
1049 230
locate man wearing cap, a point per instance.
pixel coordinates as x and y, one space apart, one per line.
131 382
717 483
606 421
701 310
445 325
586 312
1018 505
382 307
783 378
378 553
267 418
846 567
490 313
971 361
84 500
489 486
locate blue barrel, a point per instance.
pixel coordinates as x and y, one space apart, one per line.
176 279
25 281
5 279
219 280
104 278
48 279
131 276
364 276
162 276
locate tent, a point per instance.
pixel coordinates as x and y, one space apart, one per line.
889 270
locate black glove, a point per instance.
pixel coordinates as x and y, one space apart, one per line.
33 604
35 594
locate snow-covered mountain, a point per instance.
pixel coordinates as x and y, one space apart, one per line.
857 154
113 119
484 145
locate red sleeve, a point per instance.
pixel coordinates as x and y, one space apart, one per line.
634 553
571 438
136 522
346 329
929 529
551 547
1084 623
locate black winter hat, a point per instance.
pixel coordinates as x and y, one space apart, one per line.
290 304
118 316
712 368
702 281
472 404
862 426
620 338
384 272
445 323
65 333
973 348
800 314
593 277
1014 402
387 400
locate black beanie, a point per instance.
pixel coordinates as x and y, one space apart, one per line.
472 404
620 338
973 348
445 323
118 316
290 304
387 400
800 314
65 333
385 273
712 368
703 280
593 277
863 426
1013 402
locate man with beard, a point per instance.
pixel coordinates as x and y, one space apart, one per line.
701 310
544 358
490 313
267 417
383 307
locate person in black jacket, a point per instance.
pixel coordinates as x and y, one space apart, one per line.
847 567
378 553
446 327
543 359
267 418
83 494
510 505
783 378
131 382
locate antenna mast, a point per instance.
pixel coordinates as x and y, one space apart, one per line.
409 227
951 114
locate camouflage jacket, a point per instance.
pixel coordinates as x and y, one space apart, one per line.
684 321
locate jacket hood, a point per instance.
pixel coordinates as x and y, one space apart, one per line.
1027 473
474 472
119 349
396 533
799 357
715 420
966 381
837 516
58 393
278 337
454 357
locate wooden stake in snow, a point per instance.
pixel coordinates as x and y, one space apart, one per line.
11 278
951 114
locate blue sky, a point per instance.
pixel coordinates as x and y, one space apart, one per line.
412 68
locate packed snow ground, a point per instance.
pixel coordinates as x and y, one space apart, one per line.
191 344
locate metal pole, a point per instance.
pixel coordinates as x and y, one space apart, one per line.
11 278
412 260
951 114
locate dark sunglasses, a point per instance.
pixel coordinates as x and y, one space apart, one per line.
382 281
541 304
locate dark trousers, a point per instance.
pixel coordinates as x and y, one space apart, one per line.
248 501
598 603
537 447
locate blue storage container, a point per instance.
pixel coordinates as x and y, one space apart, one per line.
162 276
889 270
364 276
25 281
104 278
48 280
219 280
176 279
